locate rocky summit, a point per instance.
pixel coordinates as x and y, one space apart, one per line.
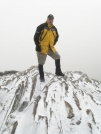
60 105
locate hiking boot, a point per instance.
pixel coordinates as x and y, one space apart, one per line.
41 72
60 74
58 71
42 79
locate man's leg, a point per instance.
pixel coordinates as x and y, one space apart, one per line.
56 57
41 61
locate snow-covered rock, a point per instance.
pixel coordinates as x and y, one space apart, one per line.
60 105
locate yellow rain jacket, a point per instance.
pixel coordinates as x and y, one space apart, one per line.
46 36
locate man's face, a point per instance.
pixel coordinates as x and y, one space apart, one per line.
50 21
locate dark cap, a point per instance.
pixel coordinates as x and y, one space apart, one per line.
50 16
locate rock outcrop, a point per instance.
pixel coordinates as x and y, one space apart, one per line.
60 105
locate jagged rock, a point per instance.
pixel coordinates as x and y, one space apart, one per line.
60 105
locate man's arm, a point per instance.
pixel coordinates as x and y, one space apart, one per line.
37 34
36 37
57 36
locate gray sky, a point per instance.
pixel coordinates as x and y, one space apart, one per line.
79 26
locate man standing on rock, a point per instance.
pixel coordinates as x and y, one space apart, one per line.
45 38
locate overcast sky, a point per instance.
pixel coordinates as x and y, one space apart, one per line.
79 26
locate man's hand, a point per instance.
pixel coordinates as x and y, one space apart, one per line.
38 48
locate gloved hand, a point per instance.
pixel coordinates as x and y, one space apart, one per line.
38 48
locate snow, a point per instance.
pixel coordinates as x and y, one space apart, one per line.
60 105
